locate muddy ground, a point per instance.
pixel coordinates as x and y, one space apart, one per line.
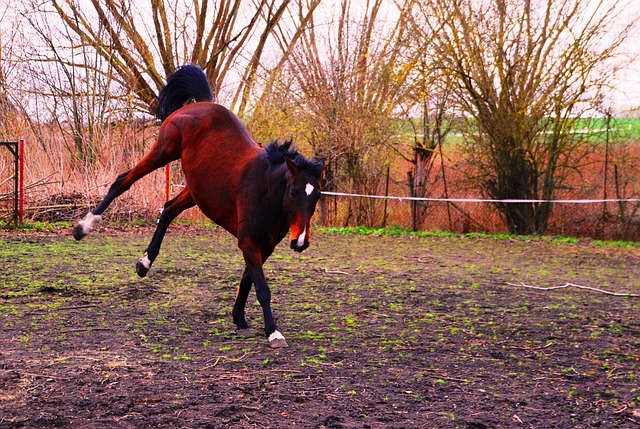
384 332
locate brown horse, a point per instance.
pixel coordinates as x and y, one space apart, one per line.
257 194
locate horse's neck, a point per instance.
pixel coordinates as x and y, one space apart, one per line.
277 182
277 186
268 181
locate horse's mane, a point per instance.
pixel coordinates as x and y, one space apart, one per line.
187 83
276 153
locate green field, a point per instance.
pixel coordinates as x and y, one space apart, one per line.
621 130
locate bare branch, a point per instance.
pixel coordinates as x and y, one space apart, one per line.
568 285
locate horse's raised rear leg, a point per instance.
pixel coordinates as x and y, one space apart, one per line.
171 209
84 227
166 149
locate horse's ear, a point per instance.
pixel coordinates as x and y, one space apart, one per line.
291 165
321 162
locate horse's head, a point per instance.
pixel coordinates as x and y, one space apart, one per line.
302 195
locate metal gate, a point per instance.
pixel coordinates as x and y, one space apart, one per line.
17 179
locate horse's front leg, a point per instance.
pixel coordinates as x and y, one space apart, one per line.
253 258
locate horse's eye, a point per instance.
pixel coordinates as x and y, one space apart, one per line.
294 192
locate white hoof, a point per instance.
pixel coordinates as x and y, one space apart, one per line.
85 226
277 341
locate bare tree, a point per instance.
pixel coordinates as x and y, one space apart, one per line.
143 42
4 101
96 63
523 72
80 100
10 43
428 111
345 78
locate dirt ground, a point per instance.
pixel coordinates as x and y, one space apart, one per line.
384 332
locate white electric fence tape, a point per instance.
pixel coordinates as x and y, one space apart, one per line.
480 200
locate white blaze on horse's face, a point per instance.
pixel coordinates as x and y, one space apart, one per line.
301 238
309 189
300 203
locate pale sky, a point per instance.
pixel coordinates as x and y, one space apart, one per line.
626 95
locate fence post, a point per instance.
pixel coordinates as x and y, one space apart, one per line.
386 194
20 174
603 221
412 194
167 173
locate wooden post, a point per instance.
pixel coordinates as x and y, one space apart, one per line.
167 172
386 194
20 174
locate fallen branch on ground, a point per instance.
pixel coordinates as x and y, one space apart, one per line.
70 331
45 376
567 285
217 359
327 271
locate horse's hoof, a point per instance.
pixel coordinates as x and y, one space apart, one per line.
141 269
278 344
78 232
143 265
277 341
245 332
84 227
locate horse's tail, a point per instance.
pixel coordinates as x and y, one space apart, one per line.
186 83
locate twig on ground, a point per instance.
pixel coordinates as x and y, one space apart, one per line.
45 376
70 331
567 285
217 359
549 344
327 271
77 307
74 307
633 421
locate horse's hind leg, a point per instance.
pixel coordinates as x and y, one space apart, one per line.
166 149
238 312
171 209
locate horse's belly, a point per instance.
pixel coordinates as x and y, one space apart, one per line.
213 192
214 168
217 205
